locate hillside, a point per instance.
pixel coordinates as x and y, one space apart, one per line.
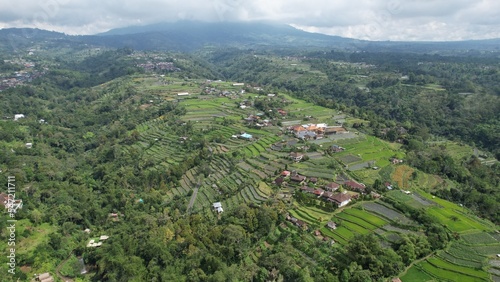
176 167
189 36
250 165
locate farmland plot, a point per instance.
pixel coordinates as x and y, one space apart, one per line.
387 213
446 274
401 175
415 274
366 216
349 159
466 271
459 261
356 220
481 238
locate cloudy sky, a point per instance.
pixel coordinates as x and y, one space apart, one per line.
363 19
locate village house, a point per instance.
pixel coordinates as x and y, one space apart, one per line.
93 243
266 122
218 207
355 186
296 156
318 192
341 199
285 173
388 186
336 149
327 194
307 189
279 181
246 136
332 186
315 131
18 116
301 224
335 130
297 222
306 135
310 127
298 178
250 119
395 161
296 129
331 225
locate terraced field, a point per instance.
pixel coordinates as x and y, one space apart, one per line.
463 255
453 216
350 222
387 213
442 269
240 171
465 260
402 175
367 148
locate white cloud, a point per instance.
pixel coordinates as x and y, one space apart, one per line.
366 19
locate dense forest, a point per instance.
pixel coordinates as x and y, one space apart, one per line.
91 164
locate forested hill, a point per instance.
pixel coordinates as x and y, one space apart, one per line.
191 36
164 166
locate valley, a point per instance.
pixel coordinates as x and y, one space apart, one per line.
222 166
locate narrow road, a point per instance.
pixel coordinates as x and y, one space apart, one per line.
64 278
415 262
193 197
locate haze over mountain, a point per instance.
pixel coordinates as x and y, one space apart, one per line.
371 20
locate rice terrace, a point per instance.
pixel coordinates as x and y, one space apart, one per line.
250 163
233 160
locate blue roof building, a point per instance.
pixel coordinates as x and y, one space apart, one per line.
246 136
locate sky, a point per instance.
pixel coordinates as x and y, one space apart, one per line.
396 20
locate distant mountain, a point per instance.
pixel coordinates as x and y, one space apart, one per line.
192 35
14 39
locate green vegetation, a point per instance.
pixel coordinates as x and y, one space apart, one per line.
414 274
120 153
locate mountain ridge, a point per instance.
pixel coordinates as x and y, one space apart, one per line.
193 35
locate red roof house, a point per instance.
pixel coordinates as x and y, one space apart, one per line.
355 185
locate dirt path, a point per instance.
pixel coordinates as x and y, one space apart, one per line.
193 197
415 262
64 278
